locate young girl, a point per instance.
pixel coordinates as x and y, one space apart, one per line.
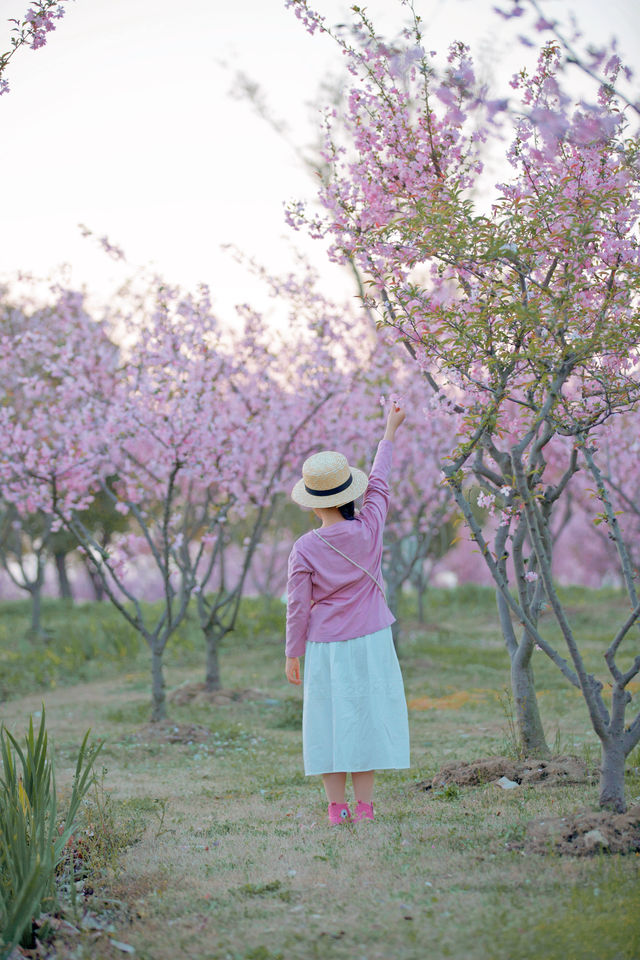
355 713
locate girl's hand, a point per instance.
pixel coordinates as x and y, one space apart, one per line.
293 670
394 419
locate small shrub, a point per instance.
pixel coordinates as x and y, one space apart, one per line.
104 829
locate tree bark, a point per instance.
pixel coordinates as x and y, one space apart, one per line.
36 609
94 577
64 587
159 703
531 738
612 775
529 724
212 675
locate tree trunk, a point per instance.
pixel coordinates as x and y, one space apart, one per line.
35 592
612 775
96 582
531 739
529 724
212 677
64 587
158 703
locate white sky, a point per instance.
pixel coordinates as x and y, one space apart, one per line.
124 122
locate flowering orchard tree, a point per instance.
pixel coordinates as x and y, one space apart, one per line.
57 365
31 31
54 362
523 309
188 427
31 342
280 385
199 428
132 431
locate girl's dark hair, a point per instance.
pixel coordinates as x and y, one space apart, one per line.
347 510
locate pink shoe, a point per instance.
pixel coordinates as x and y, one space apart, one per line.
339 813
364 811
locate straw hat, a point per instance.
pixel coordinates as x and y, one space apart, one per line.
328 481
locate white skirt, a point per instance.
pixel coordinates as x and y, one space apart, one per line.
355 713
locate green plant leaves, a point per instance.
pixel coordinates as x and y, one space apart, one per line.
31 842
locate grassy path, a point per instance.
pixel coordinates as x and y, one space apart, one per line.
233 858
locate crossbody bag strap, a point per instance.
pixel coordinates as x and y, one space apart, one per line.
364 570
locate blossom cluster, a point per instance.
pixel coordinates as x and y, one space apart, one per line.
32 31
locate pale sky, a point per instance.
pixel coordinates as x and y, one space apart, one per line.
124 122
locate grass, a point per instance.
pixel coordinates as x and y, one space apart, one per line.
89 641
220 851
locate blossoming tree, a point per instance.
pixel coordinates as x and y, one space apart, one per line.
135 426
185 428
523 309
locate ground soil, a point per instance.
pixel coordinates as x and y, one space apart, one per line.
556 771
584 834
197 693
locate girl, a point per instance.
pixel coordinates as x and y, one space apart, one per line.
355 713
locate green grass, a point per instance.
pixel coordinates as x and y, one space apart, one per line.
221 850
596 921
87 641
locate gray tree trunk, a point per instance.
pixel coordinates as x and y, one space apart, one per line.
158 698
612 775
64 587
528 721
212 675
35 592
531 736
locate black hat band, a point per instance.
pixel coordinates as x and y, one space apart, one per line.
330 493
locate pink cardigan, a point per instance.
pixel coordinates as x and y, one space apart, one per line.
328 598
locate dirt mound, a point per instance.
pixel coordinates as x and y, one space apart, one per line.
553 772
474 773
584 834
198 693
172 733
